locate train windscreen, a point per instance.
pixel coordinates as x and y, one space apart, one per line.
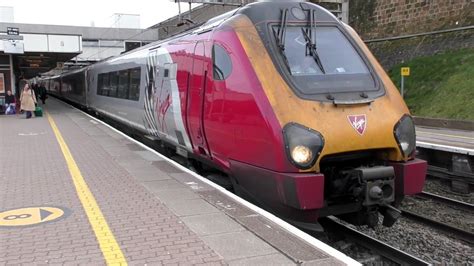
328 64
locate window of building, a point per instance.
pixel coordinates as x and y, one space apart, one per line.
222 64
111 43
90 43
132 45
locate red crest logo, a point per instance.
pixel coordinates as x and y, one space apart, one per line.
358 122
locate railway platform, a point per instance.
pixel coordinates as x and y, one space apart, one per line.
75 191
450 155
450 140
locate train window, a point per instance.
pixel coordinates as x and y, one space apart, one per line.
114 78
103 84
222 64
337 66
123 86
77 85
100 84
134 92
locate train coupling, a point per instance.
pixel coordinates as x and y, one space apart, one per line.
377 192
378 184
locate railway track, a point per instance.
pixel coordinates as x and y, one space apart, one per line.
448 229
332 225
444 227
452 202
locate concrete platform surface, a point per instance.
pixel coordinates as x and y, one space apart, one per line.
451 140
74 191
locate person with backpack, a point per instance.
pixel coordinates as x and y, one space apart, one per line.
28 100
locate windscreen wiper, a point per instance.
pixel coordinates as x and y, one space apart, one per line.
310 37
281 35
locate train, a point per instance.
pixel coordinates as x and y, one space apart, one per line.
279 101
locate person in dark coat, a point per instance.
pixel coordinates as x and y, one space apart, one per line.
10 103
9 98
36 90
42 93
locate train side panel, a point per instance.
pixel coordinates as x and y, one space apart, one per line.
73 87
116 89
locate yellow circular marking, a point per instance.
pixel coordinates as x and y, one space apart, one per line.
29 216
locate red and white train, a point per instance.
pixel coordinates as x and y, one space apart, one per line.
281 99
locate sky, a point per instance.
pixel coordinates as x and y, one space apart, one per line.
88 12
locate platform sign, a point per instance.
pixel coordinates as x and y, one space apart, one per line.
30 216
13 31
405 71
13 47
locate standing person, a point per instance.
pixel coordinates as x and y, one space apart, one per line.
36 90
42 93
9 103
28 100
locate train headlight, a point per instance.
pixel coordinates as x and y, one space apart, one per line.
405 135
303 145
301 154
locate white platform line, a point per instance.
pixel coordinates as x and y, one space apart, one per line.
442 147
290 228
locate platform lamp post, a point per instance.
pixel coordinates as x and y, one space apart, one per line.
405 72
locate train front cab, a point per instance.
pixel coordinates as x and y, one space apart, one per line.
337 137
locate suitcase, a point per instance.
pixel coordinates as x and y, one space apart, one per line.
38 111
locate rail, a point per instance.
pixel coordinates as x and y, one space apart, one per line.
449 230
330 223
460 204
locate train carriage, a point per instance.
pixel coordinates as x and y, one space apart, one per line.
279 99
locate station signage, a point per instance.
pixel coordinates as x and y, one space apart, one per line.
13 47
13 31
405 71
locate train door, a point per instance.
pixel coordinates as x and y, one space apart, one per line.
196 92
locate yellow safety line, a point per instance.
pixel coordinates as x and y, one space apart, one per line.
445 135
108 244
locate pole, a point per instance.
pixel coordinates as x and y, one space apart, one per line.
403 86
190 9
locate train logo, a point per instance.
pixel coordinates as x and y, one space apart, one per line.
358 122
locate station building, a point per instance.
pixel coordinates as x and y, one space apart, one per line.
27 50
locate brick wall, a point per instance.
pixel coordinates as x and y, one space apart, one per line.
387 18
392 52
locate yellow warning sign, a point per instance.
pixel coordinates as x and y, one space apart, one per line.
405 71
30 216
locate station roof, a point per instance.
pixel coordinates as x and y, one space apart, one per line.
38 48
